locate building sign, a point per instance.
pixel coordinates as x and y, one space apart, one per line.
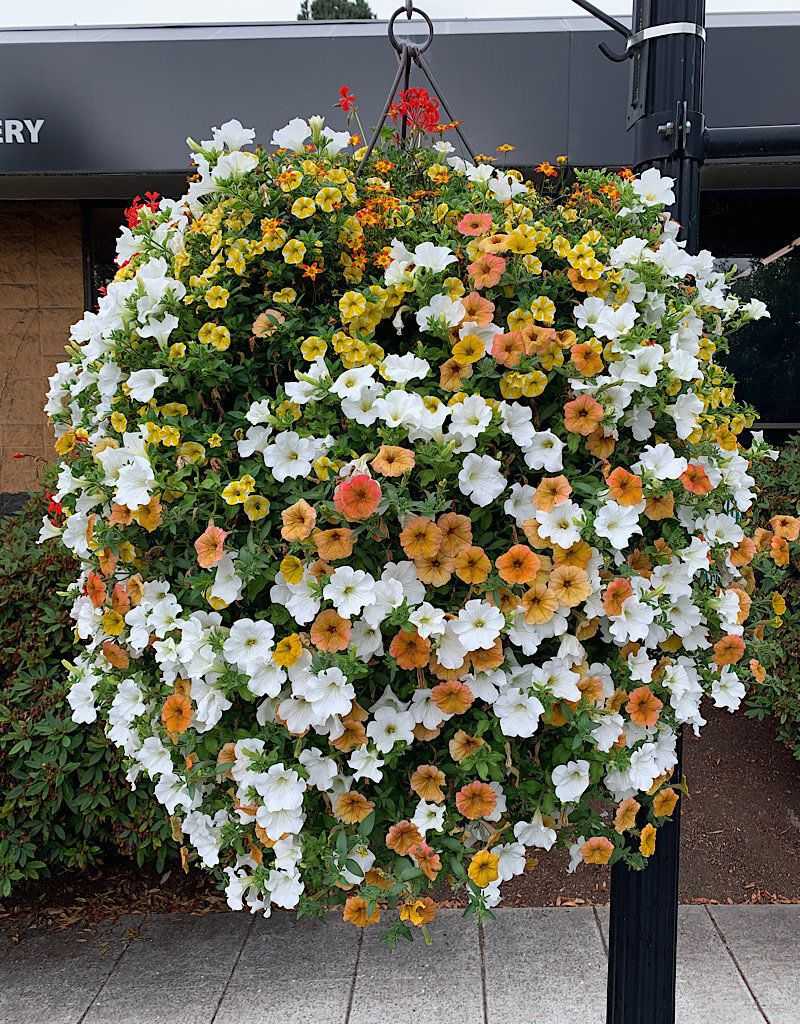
20 131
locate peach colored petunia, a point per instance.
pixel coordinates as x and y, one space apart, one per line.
486 660
436 570
358 497
409 649
419 912
356 912
299 521
660 506
402 837
95 589
624 487
487 270
508 349
597 850
518 565
625 817
583 415
392 460
474 224
353 807
569 585
456 533
728 650
330 632
695 479
552 491
643 706
452 697
664 802
426 859
476 800
334 544
462 745
420 537
539 604
471 565
477 309
616 594
176 714
210 546
586 360
427 782
787 527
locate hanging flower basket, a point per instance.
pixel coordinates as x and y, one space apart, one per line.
411 514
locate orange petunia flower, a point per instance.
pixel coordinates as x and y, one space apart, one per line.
356 912
624 487
518 565
483 868
420 537
452 374
508 349
487 270
616 594
744 552
471 565
643 706
419 912
452 697
149 516
758 670
392 460
476 800
456 533
115 655
353 807
409 649
569 585
299 521
664 802
334 544
95 589
779 550
625 817
600 445
462 745
176 714
586 360
579 554
435 570
787 527
402 837
358 497
330 632
597 850
474 224
539 604
491 658
695 479
647 841
210 546
583 415
478 309
427 860
427 782
552 491
728 650
353 737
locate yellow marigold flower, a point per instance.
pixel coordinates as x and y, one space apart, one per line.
214 441
176 351
293 251
235 493
170 437
313 348
543 309
287 651
469 350
118 422
113 622
351 305
483 868
217 297
303 207
292 569
255 507
778 603
647 841
328 199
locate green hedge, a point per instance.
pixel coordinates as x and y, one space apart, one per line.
64 801
779 695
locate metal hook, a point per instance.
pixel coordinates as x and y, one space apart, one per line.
612 23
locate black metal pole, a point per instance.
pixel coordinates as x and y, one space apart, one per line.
666 116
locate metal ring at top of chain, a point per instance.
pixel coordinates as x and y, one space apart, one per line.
408 10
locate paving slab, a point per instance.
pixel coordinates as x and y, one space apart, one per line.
436 984
765 942
293 972
545 966
52 977
176 971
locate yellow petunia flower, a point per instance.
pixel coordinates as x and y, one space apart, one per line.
217 297
543 309
293 251
303 207
255 507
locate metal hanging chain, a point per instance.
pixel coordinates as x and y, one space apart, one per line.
409 53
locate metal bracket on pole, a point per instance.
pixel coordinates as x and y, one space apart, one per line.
671 28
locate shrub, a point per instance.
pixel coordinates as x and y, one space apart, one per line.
411 513
779 695
65 801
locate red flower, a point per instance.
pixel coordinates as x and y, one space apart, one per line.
357 497
418 107
347 99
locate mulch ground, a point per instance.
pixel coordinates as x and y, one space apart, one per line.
740 844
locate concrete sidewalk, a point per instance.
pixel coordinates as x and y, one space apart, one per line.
737 965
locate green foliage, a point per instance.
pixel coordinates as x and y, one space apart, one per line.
64 801
335 10
779 695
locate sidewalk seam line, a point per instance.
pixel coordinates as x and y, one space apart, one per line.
104 982
730 953
603 942
482 949
352 992
233 969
